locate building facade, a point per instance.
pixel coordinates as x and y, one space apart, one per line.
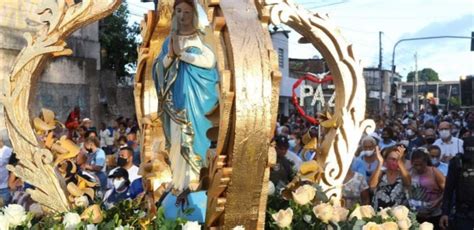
381 87
280 45
442 93
66 81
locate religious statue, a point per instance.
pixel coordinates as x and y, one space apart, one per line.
185 79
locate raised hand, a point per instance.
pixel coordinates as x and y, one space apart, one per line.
379 155
401 149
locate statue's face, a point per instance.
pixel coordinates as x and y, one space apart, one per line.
184 14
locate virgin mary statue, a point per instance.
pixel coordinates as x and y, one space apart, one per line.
185 79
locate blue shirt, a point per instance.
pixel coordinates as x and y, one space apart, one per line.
359 165
443 167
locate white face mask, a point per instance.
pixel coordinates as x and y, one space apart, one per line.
410 132
368 153
118 183
292 143
444 134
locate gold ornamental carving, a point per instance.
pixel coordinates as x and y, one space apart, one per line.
348 122
59 18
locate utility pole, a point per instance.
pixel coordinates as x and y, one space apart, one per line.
415 86
382 82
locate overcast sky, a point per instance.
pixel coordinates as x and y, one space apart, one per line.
361 20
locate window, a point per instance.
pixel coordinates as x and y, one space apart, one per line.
281 56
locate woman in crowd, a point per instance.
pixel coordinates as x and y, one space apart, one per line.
389 184
367 161
427 185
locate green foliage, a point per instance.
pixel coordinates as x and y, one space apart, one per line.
455 101
426 74
118 42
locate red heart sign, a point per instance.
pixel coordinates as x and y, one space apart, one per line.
310 77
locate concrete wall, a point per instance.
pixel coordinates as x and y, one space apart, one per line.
280 42
66 81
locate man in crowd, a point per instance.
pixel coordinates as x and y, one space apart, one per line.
449 145
414 140
387 138
281 173
429 137
460 189
96 160
125 161
133 143
120 190
435 155
5 153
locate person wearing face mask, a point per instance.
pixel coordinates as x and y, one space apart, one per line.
449 145
95 160
414 141
296 144
387 138
429 137
367 162
435 154
125 161
389 185
427 185
121 188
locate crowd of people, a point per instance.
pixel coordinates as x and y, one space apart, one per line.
103 170
423 160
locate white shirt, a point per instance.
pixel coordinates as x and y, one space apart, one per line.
132 175
5 153
105 138
450 149
295 159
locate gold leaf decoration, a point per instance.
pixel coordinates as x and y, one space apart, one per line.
36 167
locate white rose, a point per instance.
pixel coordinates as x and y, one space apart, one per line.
360 212
191 225
283 218
81 201
271 188
426 226
384 213
307 219
390 225
36 209
71 220
400 212
240 227
91 227
4 223
404 224
324 212
15 213
367 211
372 226
304 194
339 214
336 202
